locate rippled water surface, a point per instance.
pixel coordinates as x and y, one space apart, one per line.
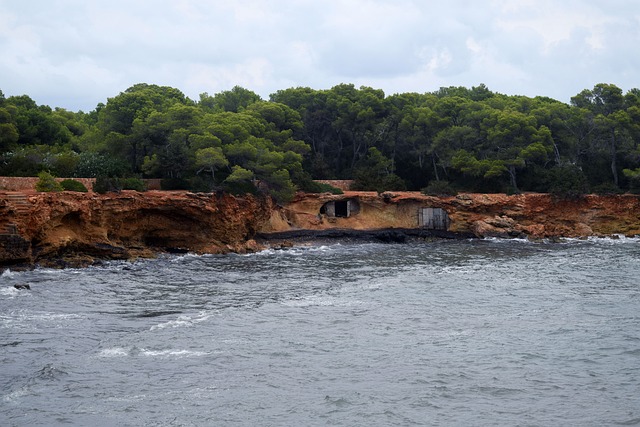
445 333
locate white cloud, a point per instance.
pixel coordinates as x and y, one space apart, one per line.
74 54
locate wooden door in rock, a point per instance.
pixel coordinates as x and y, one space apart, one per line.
433 219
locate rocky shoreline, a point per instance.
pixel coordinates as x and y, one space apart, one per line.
385 235
78 229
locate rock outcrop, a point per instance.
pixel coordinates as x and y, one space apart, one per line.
484 215
76 228
61 229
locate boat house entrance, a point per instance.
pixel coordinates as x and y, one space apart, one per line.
433 219
340 208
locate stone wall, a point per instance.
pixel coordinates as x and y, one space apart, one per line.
10 183
343 184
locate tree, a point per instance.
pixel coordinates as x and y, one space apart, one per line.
9 135
210 159
606 102
375 172
233 101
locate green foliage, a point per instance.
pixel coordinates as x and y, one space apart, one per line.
440 189
93 165
375 173
131 183
174 184
319 187
209 159
104 184
73 185
633 175
607 189
279 186
568 182
473 138
47 183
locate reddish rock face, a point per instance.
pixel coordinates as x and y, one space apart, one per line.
486 215
80 226
75 228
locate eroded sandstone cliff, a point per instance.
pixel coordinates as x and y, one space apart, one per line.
484 215
75 228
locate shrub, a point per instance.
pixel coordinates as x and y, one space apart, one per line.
568 182
439 188
133 184
105 184
607 189
47 183
240 187
319 187
174 184
73 185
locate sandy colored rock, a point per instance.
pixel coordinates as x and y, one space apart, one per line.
67 228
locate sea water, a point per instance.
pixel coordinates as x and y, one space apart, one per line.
483 332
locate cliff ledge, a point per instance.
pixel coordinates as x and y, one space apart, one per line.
60 229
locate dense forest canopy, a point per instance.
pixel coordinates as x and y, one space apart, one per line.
467 139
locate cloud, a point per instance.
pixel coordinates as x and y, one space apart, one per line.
74 54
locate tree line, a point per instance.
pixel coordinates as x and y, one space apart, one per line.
453 139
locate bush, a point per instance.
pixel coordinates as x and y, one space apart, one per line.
319 187
568 182
73 185
133 184
201 184
174 184
239 188
607 189
47 183
105 184
439 188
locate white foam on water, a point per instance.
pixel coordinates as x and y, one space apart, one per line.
322 301
179 258
172 353
510 240
181 322
7 273
11 292
614 239
294 251
15 395
113 352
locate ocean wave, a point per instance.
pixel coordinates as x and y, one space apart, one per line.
172 353
614 239
295 250
15 395
11 292
7 273
322 301
115 352
509 240
181 321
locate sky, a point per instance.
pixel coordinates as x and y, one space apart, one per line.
75 54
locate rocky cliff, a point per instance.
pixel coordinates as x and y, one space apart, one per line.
75 228
484 215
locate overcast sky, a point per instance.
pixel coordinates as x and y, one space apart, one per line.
77 53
